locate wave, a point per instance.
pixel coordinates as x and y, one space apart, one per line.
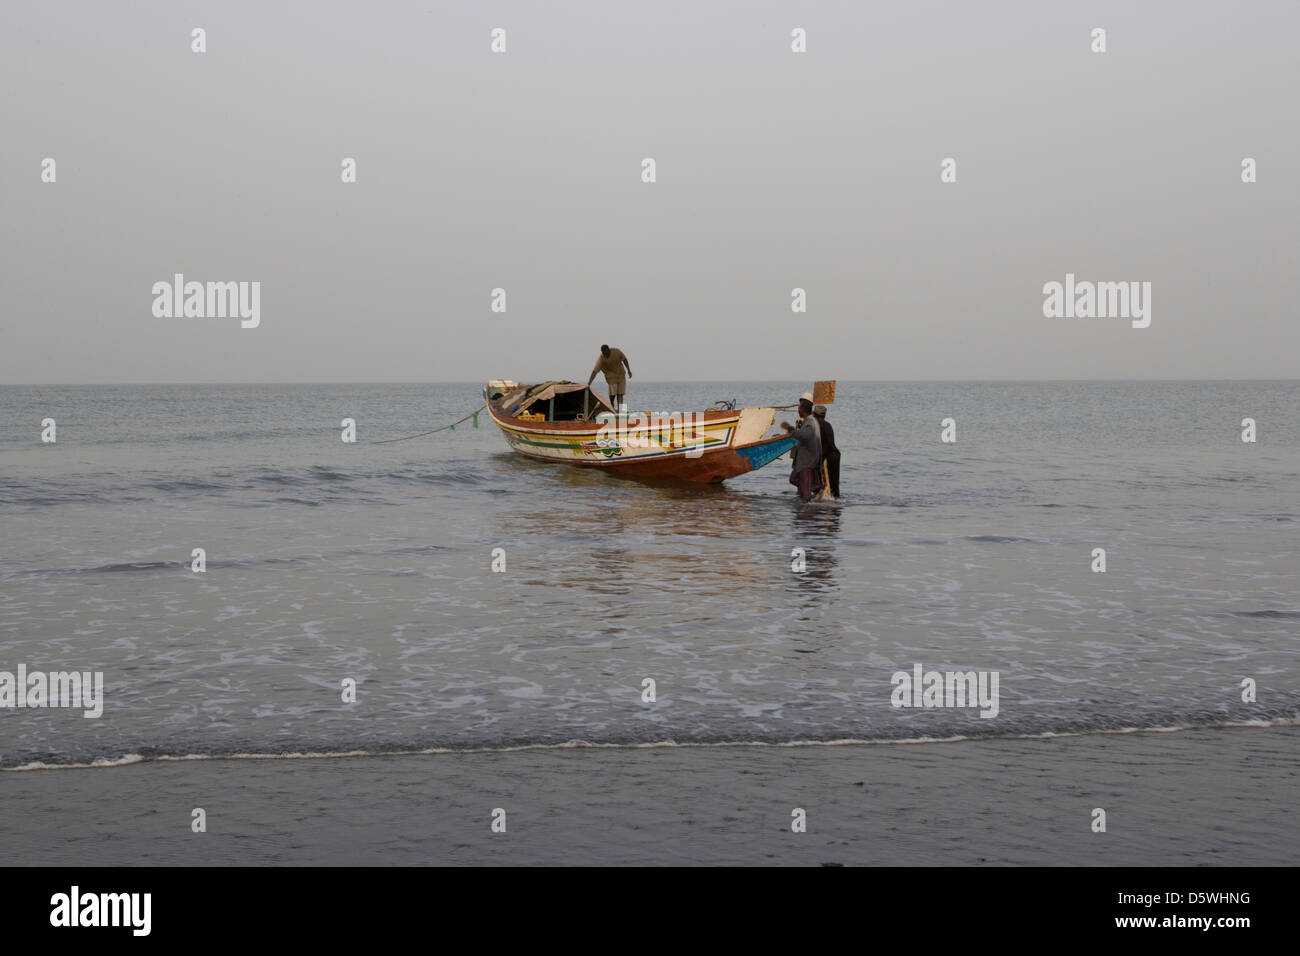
188 484
118 567
126 760
464 476
307 484
126 567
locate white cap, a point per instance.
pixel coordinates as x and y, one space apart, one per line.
806 396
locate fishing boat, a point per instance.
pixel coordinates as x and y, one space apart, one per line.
568 422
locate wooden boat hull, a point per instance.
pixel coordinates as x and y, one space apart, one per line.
711 467
706 447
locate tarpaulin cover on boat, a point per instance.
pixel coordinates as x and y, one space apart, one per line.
521 399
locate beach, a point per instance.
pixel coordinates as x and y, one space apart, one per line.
1222 797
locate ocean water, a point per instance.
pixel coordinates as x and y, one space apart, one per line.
372 562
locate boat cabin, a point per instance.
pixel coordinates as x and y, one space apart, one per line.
547 402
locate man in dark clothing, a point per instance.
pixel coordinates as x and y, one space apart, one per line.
830 453
806 474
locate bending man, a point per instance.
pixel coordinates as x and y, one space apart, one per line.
612 362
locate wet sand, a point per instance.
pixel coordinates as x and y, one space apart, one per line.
1191 798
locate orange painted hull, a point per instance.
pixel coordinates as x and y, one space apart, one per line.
709 468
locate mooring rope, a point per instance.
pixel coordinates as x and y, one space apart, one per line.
474 415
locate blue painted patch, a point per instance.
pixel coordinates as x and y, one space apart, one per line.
760 455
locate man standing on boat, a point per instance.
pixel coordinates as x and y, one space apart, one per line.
807 450
612 362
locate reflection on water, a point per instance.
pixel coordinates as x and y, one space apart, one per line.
611 536
815 528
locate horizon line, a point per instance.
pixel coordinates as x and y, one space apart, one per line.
683 381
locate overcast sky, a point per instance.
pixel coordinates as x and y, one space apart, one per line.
522 170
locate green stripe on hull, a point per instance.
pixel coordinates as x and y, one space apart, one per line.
543 444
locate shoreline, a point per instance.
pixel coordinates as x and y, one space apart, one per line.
132 759
1191 798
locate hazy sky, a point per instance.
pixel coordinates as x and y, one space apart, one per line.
523 171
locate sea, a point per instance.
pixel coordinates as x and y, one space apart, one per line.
382 643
